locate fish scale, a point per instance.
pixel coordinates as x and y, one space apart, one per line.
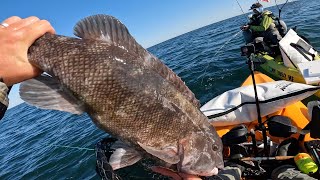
127 92
115 95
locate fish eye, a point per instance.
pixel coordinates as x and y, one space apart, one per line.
215 147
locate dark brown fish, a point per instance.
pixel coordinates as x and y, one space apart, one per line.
127 92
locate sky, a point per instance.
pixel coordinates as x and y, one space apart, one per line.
148 21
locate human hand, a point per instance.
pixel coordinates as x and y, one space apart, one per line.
174 175
16 36
245 27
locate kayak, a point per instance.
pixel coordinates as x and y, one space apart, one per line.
243 142
297 112
275 68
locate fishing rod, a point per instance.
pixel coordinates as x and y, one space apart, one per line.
240 7
235 35
280 9
218 51
277 158
243 13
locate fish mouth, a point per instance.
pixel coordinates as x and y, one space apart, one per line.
221 166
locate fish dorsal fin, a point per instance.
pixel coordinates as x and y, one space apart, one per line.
46 92
110 30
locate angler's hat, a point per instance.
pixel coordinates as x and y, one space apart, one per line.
255 6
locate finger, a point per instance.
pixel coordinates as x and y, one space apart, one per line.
23 23
11 20
37 30
166 172
189 176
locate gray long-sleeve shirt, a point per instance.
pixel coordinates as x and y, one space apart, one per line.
4 95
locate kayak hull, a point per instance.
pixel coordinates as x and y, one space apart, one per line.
297 112
275 68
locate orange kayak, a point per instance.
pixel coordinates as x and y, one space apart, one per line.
297 112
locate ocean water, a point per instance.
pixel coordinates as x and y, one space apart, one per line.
46 144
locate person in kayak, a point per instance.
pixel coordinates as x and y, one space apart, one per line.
262 24
16 36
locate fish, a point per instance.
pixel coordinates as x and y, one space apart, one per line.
127 92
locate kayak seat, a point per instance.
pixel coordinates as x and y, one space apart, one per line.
281 126
236 135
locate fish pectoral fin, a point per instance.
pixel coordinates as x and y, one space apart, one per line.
168 154
46 92
123 155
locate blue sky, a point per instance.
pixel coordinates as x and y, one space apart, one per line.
149 21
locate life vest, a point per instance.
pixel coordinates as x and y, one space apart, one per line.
255 20
280 25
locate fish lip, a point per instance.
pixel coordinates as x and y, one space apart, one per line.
221 166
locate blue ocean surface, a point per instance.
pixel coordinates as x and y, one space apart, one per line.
47 144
